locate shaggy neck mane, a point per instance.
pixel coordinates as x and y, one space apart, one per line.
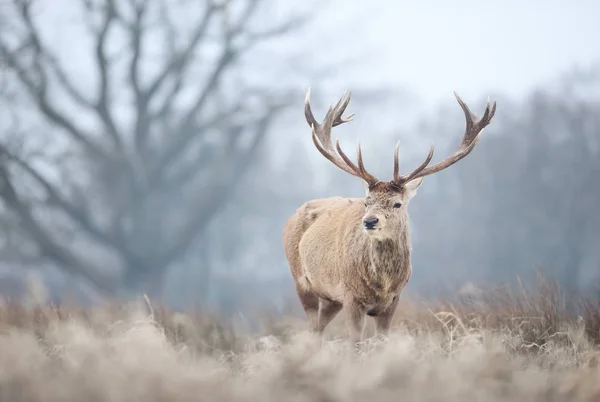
391 256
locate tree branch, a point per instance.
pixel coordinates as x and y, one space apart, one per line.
48 246
180 60
203 160
183 137
218 189
38 91
55 66
56 199
100 107
186 130
102 102
137 32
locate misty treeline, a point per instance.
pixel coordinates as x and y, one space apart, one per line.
159 149
526 198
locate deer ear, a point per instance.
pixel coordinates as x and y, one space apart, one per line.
366 187
412 186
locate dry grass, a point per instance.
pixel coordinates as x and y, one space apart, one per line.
497 346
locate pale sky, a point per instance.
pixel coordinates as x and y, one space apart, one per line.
475 47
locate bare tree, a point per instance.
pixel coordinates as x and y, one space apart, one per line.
150 150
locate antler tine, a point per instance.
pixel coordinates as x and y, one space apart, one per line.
310 118
340 108
369 178
331 157
474 128
471 132
399 180
396 164
404 178
322 132
345 157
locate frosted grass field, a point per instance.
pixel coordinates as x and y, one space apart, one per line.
518 348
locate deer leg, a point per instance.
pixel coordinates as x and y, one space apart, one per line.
384 319
355 320
310 304
328 309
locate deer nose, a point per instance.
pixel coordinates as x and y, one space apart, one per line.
370 222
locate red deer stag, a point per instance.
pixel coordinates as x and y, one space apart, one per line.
356 252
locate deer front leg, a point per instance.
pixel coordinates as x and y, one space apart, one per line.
310 304
384 319
355 319
328 309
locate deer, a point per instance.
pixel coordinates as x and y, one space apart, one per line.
355 253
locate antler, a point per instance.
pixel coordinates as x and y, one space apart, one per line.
322 131
473 129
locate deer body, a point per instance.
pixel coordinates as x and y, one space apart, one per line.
371 270
355 253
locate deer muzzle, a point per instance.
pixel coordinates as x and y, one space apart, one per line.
370 222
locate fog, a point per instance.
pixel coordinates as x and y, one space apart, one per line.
159 147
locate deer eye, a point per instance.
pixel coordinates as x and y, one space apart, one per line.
397 205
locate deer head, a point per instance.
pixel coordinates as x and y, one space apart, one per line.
386 202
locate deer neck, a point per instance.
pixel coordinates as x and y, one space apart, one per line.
391 256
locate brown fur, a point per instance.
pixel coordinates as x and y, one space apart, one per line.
335 262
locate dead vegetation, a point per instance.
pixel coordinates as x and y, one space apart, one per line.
535 344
